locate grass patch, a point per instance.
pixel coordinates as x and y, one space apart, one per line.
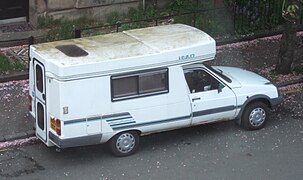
64 28
298 69
139 14
6 66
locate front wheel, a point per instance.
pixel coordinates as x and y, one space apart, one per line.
124 143
255 116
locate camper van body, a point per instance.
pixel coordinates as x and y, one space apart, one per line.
114 87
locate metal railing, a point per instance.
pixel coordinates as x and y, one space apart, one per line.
234 17
255 15
152 22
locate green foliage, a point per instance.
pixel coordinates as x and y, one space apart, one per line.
139 14
183 6
185 19
129 26
7 66
63 28
63 31
298 69
113 18
292 10
135 14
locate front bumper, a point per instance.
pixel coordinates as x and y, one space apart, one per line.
276 101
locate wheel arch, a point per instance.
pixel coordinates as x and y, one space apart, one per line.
125 130
256 98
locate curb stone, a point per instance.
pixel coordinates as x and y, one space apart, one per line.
291 82
20 135
14 76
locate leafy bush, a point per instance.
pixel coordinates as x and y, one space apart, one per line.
63 28
298 69
7 66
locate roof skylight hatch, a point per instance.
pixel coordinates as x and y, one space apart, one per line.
72 50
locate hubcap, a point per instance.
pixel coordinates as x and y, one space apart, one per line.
125 143
257 117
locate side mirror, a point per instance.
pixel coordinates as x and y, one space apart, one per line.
220 87
206 88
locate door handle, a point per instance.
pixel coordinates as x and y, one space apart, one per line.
195 99
43 97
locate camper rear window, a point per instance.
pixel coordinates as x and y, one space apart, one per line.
39 78
139 84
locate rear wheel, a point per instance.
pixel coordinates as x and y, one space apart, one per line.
124 143
255 116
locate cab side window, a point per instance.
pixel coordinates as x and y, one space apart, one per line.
199 81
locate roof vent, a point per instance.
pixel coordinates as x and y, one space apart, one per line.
72 50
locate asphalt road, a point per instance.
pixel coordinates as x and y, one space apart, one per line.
215 151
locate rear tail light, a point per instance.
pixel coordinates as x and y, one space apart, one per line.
53 123
30 105
56 125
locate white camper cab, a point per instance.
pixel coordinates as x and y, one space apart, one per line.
114 88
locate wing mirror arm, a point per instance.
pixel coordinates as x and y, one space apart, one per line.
220 87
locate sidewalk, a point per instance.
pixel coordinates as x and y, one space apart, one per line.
8 39
15 122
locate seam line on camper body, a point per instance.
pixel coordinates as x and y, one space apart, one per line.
114 72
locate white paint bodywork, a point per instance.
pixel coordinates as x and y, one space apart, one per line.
126 51
82 85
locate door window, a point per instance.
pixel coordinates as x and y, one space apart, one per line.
199 81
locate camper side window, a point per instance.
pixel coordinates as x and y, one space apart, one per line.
126 86
139 84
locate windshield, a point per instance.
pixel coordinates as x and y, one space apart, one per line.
218 72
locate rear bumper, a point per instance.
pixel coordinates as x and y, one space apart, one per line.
77 141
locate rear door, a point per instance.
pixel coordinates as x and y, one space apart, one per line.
210 99
40 99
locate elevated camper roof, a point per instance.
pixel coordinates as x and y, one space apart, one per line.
124 51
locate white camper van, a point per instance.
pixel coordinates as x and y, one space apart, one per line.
114 88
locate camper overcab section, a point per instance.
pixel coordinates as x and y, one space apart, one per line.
113 88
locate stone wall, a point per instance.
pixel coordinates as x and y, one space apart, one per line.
74 9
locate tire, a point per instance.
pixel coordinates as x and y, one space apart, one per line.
255 116
124 143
